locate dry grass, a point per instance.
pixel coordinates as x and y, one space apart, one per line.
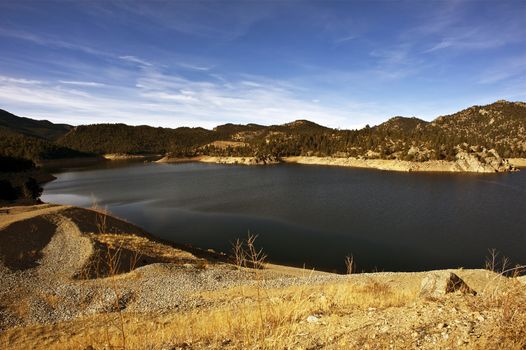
241 319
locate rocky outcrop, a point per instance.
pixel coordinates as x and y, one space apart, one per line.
439 283
482 162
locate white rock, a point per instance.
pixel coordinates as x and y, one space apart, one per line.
439 283
312 319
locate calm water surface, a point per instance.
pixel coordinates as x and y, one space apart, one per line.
315 215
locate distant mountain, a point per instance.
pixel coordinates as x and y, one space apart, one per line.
500 126
42 129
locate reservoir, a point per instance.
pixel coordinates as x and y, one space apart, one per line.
314 216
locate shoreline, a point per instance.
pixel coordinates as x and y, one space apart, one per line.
219 160
394 165
378 164
518 162
125 156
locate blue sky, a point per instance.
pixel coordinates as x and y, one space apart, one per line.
339 63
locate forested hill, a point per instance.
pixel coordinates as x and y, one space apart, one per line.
121 138
42 129
500 125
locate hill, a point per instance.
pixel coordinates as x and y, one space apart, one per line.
13 144
42 129
121 138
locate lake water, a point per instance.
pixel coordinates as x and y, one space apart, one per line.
315 215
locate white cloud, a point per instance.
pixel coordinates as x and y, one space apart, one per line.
345 39
195 67
169 100
19 80
50 41
82 83
134 59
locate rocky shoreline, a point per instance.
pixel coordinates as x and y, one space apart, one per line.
125 156
465 162
222 160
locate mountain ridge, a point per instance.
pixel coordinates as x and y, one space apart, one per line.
500 126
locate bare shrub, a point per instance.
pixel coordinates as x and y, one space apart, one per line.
350 265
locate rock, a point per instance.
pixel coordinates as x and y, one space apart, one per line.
312 319
479 317
439 283
482 162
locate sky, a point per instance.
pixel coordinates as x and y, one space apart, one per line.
342 64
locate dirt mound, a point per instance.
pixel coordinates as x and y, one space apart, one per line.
22 243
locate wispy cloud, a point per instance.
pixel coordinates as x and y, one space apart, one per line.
136 60
448 29
171 100
513 67
201 19
345 39
19 80
82 83
50 41
194 66
473 40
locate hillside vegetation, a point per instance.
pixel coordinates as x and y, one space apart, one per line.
17 145
500 126
43 129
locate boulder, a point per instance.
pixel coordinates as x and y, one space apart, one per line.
482 162
439 283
